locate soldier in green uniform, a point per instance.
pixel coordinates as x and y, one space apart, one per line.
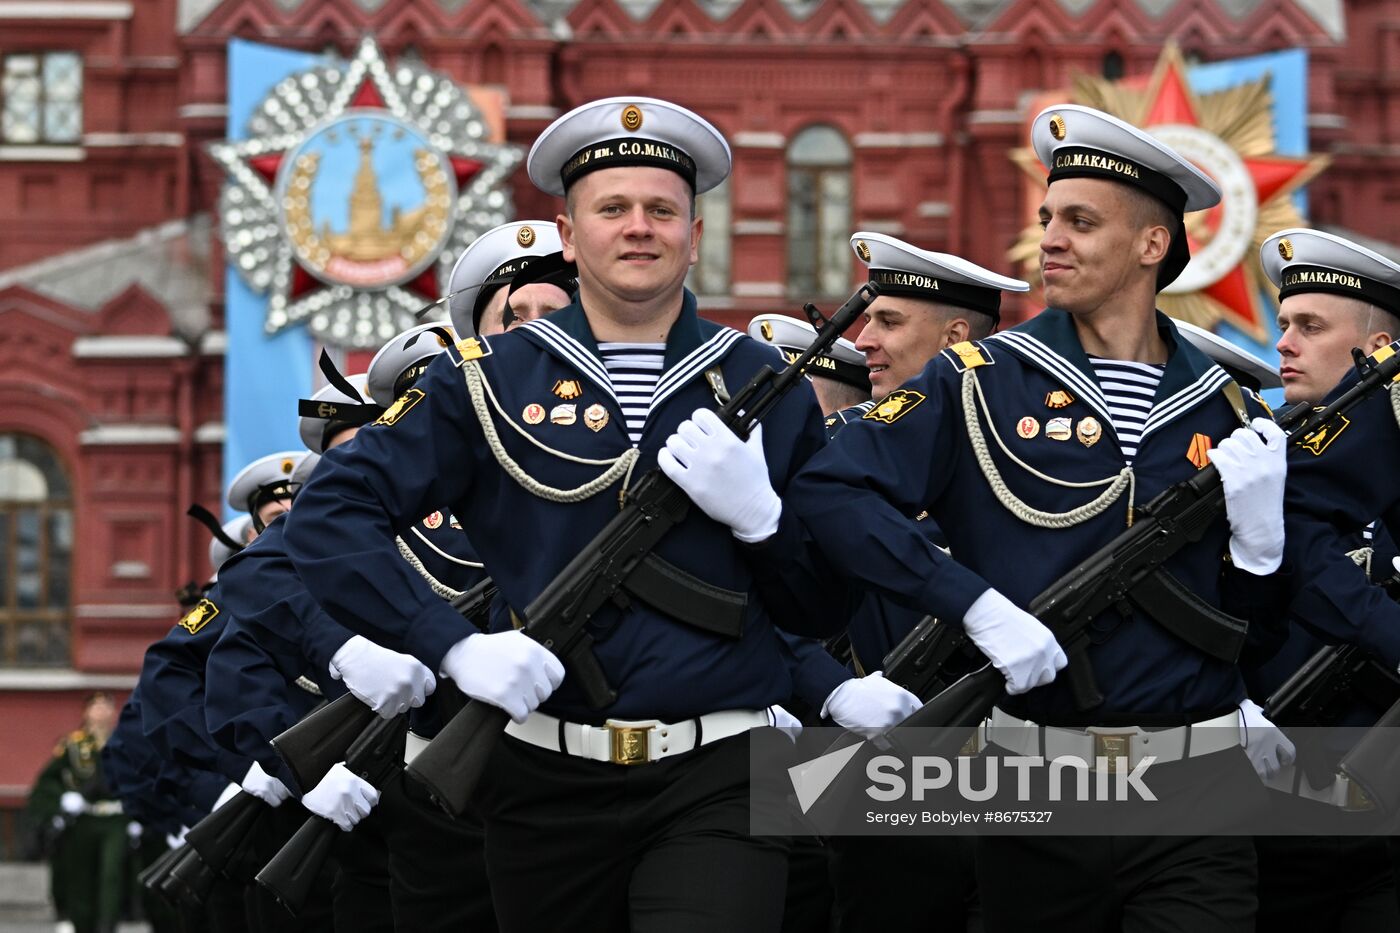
89 832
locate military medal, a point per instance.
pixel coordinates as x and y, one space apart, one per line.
563 414
1028 427
1198 450
1058 399
1058 429
534 413
434 520
596 417
568 389
1089 431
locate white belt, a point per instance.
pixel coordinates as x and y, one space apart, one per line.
634 742
105 808
1115 743
412 745
1343 793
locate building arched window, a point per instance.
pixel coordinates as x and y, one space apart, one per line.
819 213
36 553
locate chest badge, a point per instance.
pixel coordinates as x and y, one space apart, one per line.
596 417
1058 399
1058 429
1089 431
1028 427
533 413
433 521
564 414
568 389
1198 451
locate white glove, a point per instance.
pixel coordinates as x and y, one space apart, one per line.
726 477
72 803
176 839
1269 750
1253 464
342 797
386 681
1019 646
870 705
134 830
506 669
264 786
785 721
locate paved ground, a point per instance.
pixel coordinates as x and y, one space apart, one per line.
24 900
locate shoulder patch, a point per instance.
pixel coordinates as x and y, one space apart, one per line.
472 348
1322 438
199 616
894 406
401 406
968 355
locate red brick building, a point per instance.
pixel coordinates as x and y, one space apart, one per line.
891 115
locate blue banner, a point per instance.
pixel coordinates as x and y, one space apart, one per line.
263 375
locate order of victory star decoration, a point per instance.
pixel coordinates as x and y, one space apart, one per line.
1230 136
360 184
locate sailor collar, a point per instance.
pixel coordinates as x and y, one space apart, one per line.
1050 343
691 345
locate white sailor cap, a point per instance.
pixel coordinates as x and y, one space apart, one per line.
1080 142
303 472
903 270
1299 260
625 131
1244 367
236 531
399 363
265 478
843 362
493 259
333 409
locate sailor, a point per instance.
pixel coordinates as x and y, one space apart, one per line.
1335 295
530 436
1030 449
485 296
173 682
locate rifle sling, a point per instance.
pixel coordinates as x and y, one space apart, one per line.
1163 599
687 598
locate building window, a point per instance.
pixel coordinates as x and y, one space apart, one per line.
36 554
1113 66
710 274
42 94
819 212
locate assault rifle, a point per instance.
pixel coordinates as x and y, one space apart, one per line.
616 565
1331 681
1126 569
322 738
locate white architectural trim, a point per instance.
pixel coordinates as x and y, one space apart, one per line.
64 679
128 347
42 154
53 9
123 434
758 227
759 290
132 139
750 139
210 432
898 140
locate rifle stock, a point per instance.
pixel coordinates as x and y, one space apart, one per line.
291 874
557 618
152 874
321 737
